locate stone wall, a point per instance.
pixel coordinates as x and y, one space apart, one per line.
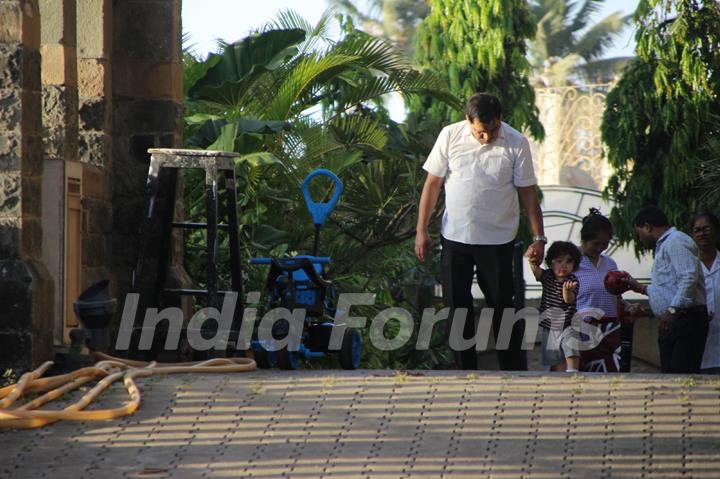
25 285
147 113
107 87
60 137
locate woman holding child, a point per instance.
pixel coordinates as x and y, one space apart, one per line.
595 238
576 282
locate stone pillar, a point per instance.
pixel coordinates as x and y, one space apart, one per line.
94 46
59 80
147 112
94 43
26 289
60 138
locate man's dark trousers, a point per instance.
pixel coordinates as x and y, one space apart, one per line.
493 267
682 347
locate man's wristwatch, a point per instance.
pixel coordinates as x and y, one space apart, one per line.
542 238
672 310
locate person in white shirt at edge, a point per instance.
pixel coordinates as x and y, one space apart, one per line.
705 230
484 165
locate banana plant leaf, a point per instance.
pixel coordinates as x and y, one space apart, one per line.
265 237
241 64
194 70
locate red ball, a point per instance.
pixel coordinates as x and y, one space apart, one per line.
614 282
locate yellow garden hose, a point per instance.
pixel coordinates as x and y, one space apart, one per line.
109 369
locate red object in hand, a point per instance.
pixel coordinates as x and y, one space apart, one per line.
615 282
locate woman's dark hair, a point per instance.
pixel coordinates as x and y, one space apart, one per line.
594 224
651 215
561 248
483 107
712 219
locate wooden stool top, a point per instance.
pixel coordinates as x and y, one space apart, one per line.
182 158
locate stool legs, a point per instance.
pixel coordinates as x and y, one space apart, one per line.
154 293
169 178
235 269
233 232
211 246
152 186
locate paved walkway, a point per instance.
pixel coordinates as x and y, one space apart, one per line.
377 424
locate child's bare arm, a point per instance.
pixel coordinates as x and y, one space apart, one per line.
536 270
570 291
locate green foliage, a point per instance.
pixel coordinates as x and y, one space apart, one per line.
479 46
395 20
565 39
658 124
8 377
710 167
290 105
231 74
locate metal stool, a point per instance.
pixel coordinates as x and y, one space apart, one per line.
215 163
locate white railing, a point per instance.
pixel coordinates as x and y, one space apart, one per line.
572 152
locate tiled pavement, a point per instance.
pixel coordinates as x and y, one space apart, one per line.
382 424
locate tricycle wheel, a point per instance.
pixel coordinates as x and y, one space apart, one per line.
288 360
262 358
351 349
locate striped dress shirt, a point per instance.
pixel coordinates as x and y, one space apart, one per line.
677 278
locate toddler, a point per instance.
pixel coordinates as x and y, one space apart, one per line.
557 306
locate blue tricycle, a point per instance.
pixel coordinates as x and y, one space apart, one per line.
300 282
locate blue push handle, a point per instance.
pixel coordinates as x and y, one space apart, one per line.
320 211
313 259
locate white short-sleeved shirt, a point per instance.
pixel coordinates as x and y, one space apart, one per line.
481 204
711 356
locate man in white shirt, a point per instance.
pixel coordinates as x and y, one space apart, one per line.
484 165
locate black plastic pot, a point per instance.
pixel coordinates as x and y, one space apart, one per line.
95 307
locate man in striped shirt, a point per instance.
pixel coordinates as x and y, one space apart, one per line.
676 292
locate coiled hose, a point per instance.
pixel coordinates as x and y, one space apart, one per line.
108 369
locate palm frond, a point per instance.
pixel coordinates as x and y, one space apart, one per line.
584 14
359 131
371 10
600 35
319 34
538 48
426 83
539 8
188 47
300 79
349 7
373 53
288 19
311 142
557 36
406 82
